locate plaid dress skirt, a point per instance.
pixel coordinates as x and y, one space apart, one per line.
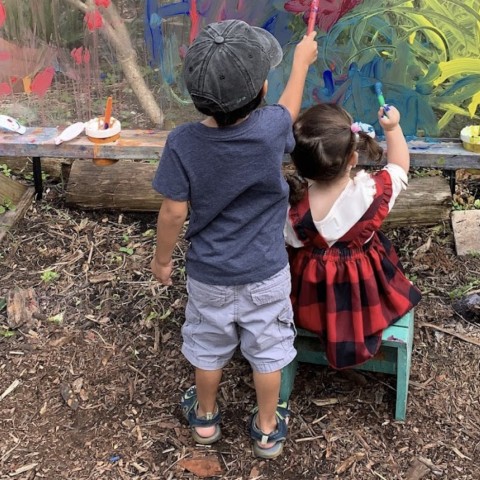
350 292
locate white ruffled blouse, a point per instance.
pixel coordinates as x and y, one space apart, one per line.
350 206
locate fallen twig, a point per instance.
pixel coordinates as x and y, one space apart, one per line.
10 389
465 338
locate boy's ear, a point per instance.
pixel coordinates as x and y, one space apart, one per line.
265 89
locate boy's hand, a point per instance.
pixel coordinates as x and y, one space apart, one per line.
391 121
162 272
306 51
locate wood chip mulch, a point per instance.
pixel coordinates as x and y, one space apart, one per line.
90 380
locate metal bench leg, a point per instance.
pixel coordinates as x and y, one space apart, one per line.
288 379
37 177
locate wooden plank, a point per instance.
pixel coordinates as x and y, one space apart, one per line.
466 229
40 142
8 219
447 154
10 190
444 154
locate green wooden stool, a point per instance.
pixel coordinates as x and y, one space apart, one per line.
394 357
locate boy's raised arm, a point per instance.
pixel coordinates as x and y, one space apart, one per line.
305 54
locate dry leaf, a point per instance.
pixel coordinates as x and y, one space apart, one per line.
21 307
59 342
349 462
254 473
102 277
423 249
202 466
77 385
68 396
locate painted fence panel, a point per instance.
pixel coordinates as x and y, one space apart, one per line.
425 53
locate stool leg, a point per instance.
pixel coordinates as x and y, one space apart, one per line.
404 362
403 374
288 379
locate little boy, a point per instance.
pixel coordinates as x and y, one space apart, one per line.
227 169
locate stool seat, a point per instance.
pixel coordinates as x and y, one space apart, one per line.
394 357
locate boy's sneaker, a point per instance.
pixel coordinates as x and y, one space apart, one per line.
277 437
189 404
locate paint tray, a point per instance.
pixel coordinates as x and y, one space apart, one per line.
470 137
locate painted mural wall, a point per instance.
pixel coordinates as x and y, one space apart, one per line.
425 53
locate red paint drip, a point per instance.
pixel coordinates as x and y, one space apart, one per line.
41 83
195 20
5 56
3 14
5 89
94 20
80 55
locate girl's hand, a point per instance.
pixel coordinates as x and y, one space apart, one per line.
391 121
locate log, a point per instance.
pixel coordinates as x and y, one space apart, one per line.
123 186
128 186
427 201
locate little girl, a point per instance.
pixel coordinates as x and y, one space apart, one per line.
347 282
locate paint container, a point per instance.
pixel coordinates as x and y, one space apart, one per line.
470 137
98 134
11 125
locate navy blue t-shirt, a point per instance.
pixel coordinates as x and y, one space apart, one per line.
238 197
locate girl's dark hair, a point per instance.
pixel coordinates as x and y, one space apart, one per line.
324 145
225 119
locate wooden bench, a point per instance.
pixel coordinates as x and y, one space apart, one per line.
38 143
394 357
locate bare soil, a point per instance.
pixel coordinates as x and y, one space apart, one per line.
98 372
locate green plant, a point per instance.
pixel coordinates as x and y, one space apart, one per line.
49 276
461 291
57 319
6 333
6 205
5 170
149 233
29 176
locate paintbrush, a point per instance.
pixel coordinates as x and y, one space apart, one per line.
312 18
108 113
381 98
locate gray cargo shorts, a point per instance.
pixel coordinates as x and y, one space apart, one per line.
257 316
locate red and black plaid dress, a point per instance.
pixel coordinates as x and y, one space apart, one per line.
350 292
